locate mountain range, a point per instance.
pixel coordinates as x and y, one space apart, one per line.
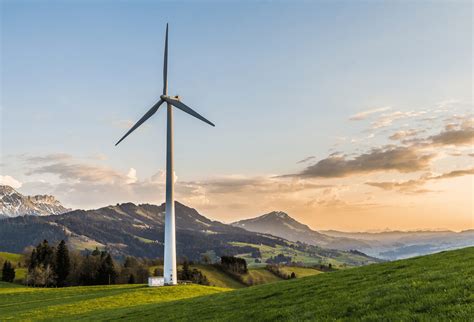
279 223
13 204
129 229
389 245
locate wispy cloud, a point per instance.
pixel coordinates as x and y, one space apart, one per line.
10 181
365 114
403 134
307 159
412 186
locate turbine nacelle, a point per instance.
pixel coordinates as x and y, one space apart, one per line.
176 97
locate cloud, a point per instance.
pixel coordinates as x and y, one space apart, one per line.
410 155
364 114
307 159
453 174
402 159
256 185
54 157
387 119
81 172
463 136
399 135
10 181
412 186
131 176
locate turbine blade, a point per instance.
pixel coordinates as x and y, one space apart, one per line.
145 117
165 65
183 107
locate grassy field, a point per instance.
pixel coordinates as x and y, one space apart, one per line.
266 252
299 271
22 303
257 276
433 287
217 277
13 258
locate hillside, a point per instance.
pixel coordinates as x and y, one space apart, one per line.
433 287
388 245
129 229
279 223
439 286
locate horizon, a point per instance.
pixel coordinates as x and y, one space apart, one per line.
343 121
387 229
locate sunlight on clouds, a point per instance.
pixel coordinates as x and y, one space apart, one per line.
10 181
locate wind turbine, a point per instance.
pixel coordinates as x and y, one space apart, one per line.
169 271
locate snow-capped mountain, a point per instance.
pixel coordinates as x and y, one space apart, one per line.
13 204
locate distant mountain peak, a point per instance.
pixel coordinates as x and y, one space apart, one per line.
278 214
280 224
13 204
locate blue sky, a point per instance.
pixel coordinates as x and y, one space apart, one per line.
279 79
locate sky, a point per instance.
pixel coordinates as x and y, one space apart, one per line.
348 115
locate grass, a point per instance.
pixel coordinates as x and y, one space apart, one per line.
13 258
218 278
260 276
23 303
296 256
215 276
435 287
299 271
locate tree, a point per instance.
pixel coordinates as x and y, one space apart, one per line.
96 252
106 273
62 263
131 279
44 254
234 264
8 272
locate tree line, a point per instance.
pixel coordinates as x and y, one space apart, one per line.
58 266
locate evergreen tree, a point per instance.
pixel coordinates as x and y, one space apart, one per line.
8 272
44 254
106 273
96 252
62 263
131 279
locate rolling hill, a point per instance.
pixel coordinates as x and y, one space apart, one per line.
129 229
432 287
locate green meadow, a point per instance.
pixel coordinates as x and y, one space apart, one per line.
433 287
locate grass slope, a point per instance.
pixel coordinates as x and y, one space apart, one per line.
217 277
299 271
13 258
91 302
434 287
260 276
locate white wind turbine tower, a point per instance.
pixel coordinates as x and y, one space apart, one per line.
169 271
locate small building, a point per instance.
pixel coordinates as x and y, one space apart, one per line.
156 281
